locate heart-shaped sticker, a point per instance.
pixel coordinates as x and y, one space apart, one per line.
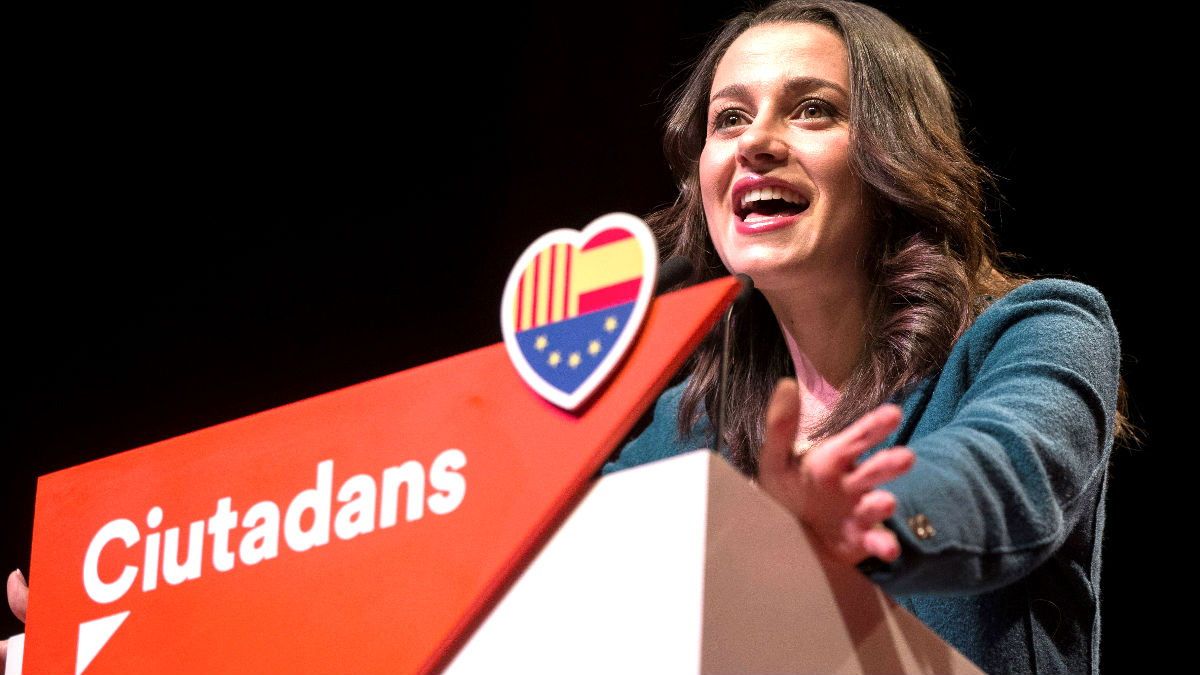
574 302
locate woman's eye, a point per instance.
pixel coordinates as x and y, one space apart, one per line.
729 118
811 110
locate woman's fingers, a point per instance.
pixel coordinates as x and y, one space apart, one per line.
18 601
18 594
878 469
881 543
831 492
834 462
783 418
874 508
864 433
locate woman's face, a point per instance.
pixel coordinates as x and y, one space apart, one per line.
781 202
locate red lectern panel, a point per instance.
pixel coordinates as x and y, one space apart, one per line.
361 531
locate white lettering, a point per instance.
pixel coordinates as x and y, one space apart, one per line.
219 526
318 501
97 589
452 487
261 526
262 541
174 573
150 563
358 515
410 474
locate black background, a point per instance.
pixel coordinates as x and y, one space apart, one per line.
211 214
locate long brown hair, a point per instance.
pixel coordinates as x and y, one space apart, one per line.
932 256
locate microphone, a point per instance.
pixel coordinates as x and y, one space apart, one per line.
672 272
723 369
747 290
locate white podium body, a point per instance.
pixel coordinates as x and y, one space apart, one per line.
684 566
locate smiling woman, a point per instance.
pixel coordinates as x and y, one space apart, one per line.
942 423
221 217
781 202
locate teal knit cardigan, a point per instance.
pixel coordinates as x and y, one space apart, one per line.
1001 518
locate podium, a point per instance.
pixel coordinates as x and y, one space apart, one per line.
685 566
446 519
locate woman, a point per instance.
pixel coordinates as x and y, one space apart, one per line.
942 424
818 151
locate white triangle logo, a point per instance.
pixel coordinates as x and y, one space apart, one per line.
93 635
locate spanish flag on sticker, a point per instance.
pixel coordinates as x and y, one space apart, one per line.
574 302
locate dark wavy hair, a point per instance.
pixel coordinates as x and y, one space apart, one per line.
932 258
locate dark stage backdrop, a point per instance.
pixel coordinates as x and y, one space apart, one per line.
216 212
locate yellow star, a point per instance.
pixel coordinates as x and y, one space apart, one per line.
594 347
555 359
540 343
610 324
574 359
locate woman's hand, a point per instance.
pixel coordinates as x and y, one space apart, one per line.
18 600
833 495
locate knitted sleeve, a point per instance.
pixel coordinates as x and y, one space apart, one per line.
1012 440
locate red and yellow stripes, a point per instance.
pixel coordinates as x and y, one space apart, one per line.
563 282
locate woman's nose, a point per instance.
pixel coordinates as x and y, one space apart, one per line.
763 143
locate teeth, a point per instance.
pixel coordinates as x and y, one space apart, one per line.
767 193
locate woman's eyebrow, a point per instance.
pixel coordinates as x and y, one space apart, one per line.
792 86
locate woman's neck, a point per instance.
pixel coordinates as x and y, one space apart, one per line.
824 333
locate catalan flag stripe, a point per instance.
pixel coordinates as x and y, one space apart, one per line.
527 297
570 299
542 302
558 276
516 302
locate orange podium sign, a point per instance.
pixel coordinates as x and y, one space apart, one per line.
363 530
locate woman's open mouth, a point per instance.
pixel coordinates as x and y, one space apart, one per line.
768 208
